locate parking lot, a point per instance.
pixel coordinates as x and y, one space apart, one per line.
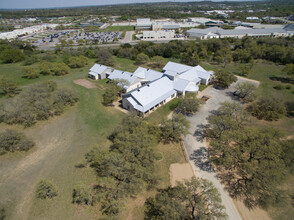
73 37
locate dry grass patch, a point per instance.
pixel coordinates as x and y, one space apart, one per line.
85 83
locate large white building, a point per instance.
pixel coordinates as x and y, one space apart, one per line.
26 31
157 35
216 32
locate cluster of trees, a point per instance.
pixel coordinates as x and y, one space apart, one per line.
38 102
267 108
221 51
14 51
195 199
127 166
253 162
45 190
11 140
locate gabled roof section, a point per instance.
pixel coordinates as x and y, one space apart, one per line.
180 84
148 74
98 68
120 75
152 94
176 67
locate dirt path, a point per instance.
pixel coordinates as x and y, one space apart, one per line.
180 172
85 83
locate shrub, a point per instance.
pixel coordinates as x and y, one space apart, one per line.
7 87
267 108
142 58
11 141
57 69
279 87
31 60
2 213
82 195
45 189
77 62
30 72
12 55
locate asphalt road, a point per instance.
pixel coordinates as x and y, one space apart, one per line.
197 149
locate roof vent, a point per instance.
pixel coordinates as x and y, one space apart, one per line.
138 90
148 85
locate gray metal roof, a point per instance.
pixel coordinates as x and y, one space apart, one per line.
260 31
120 75
176 67
289 27
180 84
148 74
152 94
171 26
98 68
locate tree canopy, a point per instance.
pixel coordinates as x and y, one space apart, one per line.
195 199
224 79
250 160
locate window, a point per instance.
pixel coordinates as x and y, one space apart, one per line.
173 95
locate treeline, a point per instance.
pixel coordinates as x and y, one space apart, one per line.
127 167
38 102
162 10
253 162
221 51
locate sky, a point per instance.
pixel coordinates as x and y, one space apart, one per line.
25 4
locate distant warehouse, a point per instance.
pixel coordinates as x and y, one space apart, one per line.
238 33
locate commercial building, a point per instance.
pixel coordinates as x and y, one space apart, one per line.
238 33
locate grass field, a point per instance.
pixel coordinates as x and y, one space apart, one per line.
61 143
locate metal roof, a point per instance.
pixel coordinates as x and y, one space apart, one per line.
180 84
265 31
98 68
192 88
152 94
120 75
148 74
176 67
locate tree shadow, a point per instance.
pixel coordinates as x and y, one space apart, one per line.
282 79
200 158
232 96
199 133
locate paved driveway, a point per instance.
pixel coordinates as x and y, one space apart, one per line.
196 146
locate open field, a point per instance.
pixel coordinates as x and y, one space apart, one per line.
61 143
